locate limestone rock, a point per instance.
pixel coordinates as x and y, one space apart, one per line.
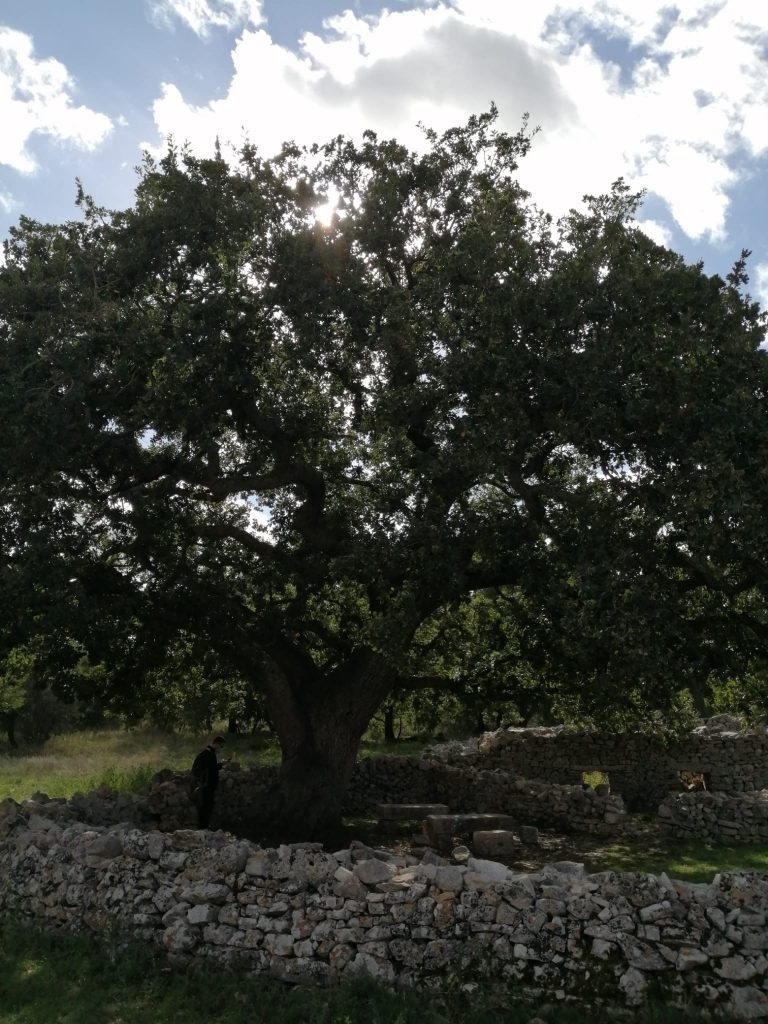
450 878
736 968
202 913
206 892
371 872
105 847
180 938
633 984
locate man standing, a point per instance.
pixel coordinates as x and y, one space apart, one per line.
205 779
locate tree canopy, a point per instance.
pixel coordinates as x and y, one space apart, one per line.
308 446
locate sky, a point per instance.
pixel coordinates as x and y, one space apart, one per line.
671 96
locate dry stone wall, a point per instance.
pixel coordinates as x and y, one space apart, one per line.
643 768
718 817
387 780
303 914
470 788
240 798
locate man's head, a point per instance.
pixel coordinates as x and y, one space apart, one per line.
218 742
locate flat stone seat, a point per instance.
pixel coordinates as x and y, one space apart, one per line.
409 812
495 842
461 824
529 835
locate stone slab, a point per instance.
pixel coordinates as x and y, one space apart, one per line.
409 812
461 824
495 842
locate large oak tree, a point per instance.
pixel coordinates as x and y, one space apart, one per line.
303 444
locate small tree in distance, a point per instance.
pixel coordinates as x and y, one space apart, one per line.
306 444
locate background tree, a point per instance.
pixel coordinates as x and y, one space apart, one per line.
30 707
300 444
14 673
191 688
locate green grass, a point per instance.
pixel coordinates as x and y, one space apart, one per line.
402 748
84 760
595 778
691 861
126 759
64 979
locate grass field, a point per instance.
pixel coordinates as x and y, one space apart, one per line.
122 758
67 980
126 759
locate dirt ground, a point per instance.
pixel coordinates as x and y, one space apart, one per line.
597 853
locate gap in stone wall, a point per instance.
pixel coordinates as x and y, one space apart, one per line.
594 777
691 781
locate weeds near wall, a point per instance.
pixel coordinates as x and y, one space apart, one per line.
64 979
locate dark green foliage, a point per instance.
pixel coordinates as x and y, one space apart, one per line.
309 449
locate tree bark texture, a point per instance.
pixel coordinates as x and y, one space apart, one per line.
389 725
319 724
9 722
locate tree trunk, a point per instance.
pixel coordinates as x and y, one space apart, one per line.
699 694
313 782
9 719
320 724
389 724
232 726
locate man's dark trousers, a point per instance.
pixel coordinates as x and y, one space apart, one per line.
205 806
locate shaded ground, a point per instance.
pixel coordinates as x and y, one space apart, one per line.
596 852
643 848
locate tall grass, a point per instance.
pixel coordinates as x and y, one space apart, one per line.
126 759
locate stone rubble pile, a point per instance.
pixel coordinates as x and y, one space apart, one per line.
719 817
304 914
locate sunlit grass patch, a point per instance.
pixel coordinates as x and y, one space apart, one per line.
119 758
126 759
595 778
693 861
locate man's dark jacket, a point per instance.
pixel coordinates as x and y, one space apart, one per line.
205 768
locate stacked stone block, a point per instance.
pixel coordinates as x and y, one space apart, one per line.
718 817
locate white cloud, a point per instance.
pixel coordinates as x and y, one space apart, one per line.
36 97
449 68
678 122
761 284
656 231
203 15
